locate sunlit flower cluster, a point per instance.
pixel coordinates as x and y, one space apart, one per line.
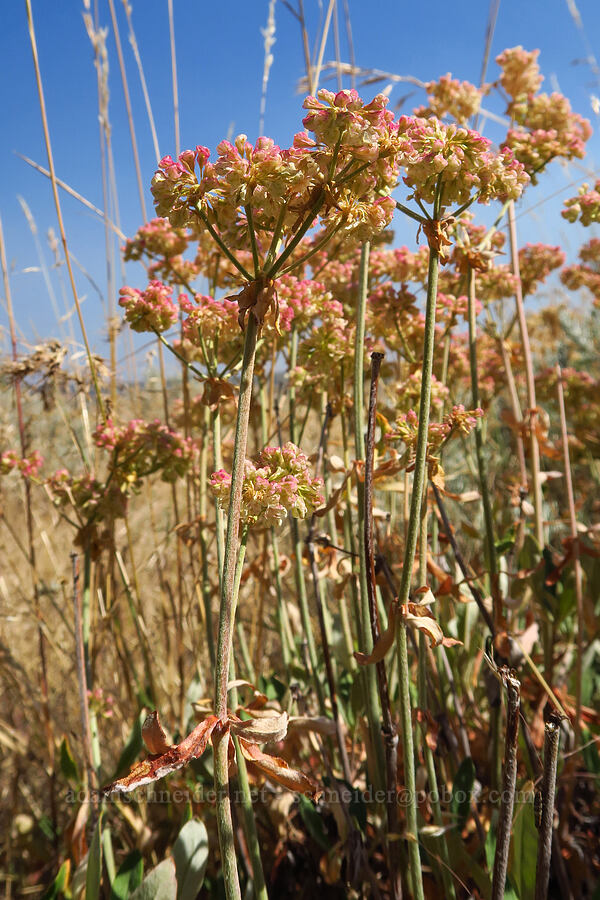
548 130
141 448
536 261
449 97
210 320
149 310
28 466
520 72
587 272
461 158
585 207
279 484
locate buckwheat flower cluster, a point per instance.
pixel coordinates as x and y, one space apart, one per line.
253 193
28 466
587 272
449 97
408 392
175 186
584 208
548 130
536 261
459 420
364 130
215 321
142 448
400 264
520 72
96 504
496 283
462 158
156 239
302 301
149 310
279 483
321 354
452 308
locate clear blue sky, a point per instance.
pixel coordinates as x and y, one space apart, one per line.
220 63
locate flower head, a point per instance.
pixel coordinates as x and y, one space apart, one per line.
149 310
278 484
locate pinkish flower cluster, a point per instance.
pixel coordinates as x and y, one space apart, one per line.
536 261
459 420
548 130
156 238
321 354
149 310
408 392
587 272
142 448
452 308
279 483
461 158
175 186
449 97
28 466
209 320
584 208
302 301
520 72
364 130
279 187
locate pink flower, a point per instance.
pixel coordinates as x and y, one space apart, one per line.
149 310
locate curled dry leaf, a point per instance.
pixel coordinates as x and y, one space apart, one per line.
215 391
385 641
264 726
257 297
154 735
277 769
158 765
418 616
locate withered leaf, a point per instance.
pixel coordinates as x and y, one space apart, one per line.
264 726
154 735
384 643
277 769
158 765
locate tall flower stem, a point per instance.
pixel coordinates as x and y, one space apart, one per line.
414 524
226 617
366 638
529 380
481 462
390 735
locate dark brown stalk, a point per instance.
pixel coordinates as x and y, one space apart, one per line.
461 562
544 854
509 780
558 863
390 737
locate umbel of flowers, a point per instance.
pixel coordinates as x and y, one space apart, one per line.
280 483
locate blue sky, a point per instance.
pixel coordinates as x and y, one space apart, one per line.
220 64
